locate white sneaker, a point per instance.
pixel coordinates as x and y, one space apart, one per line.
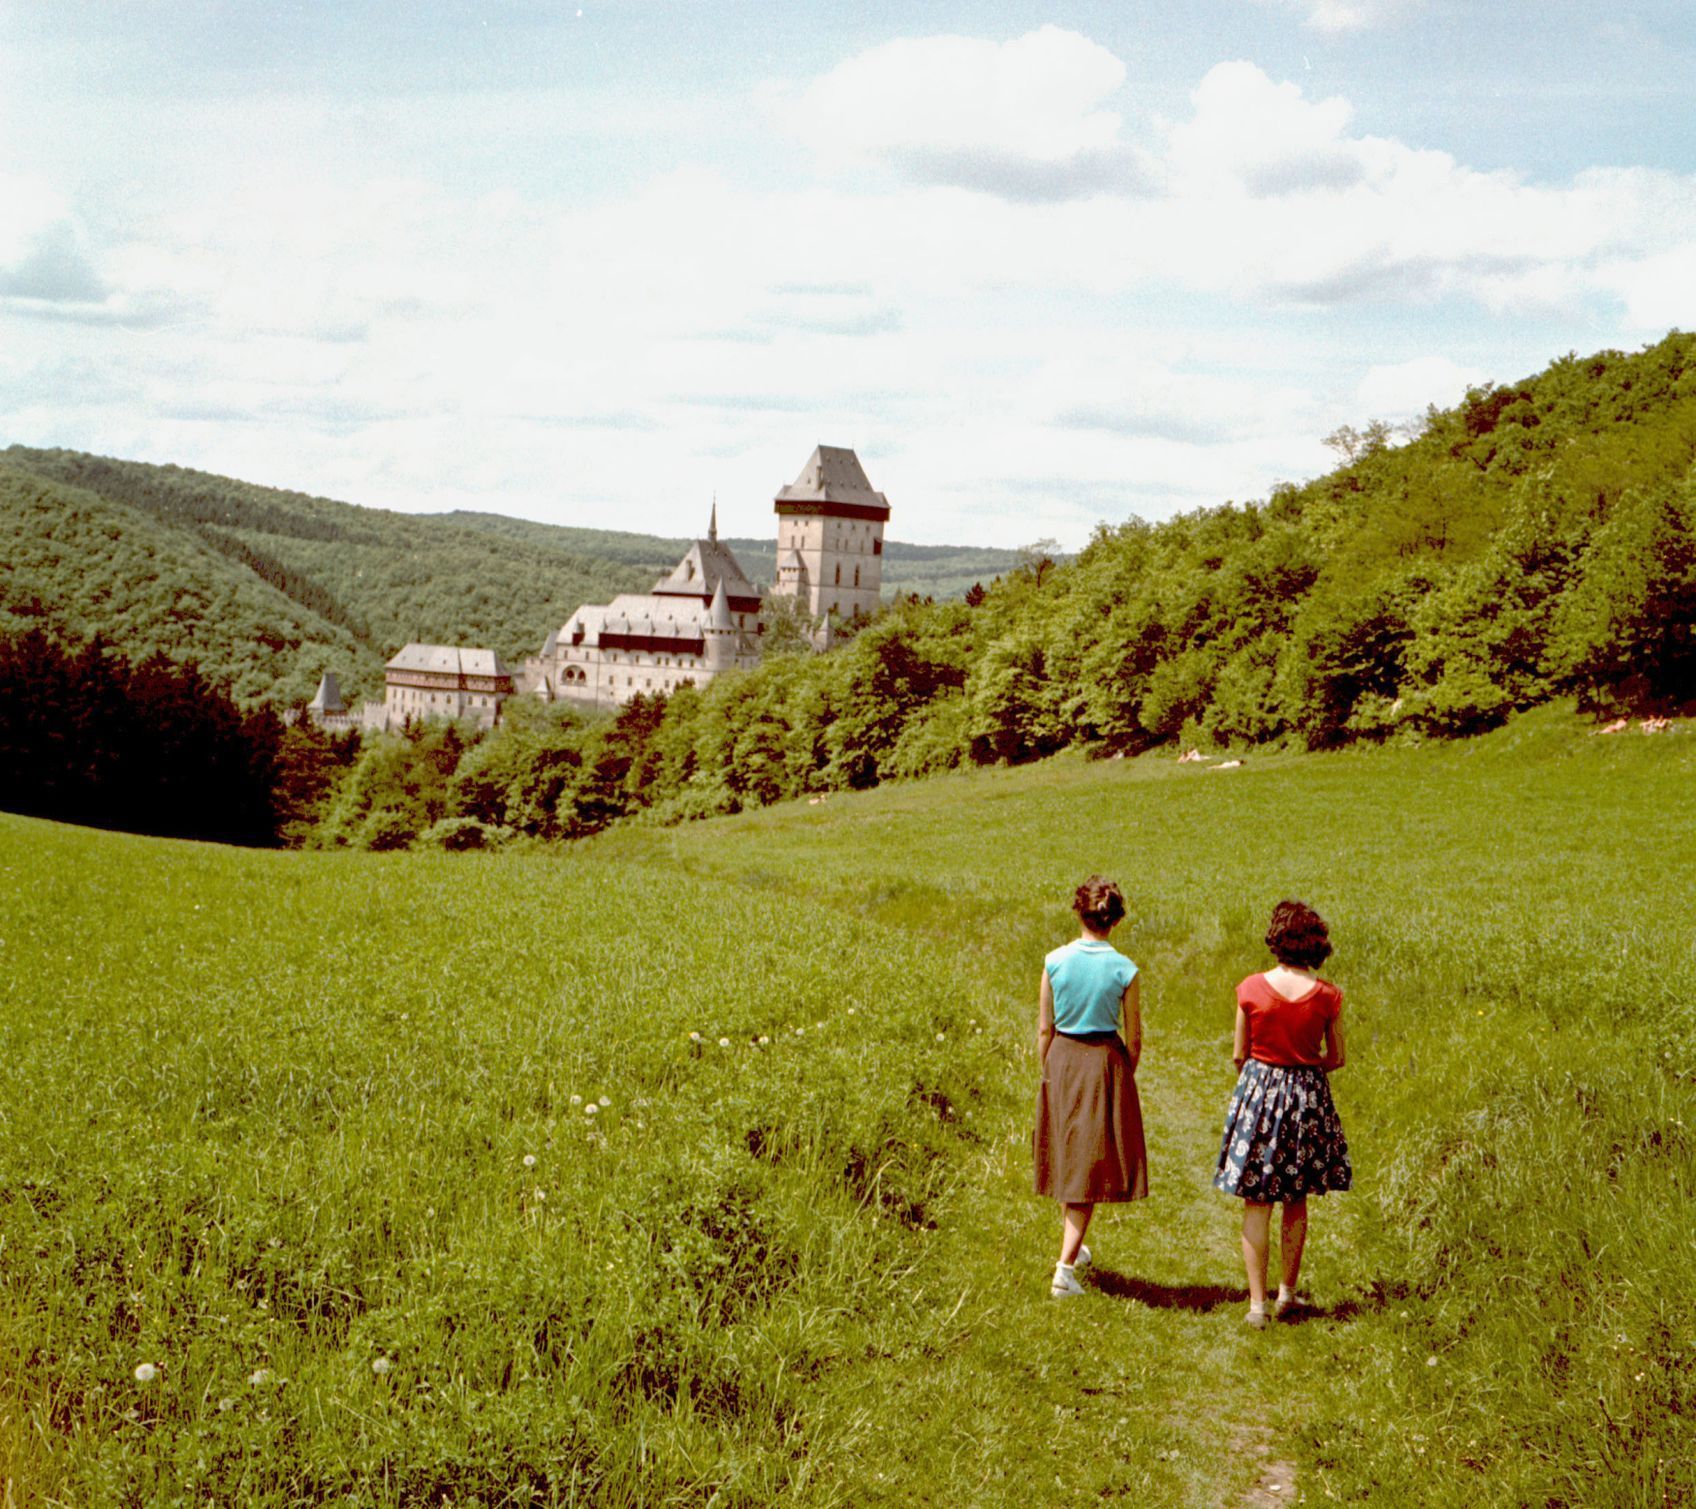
1065 1284
1082 1259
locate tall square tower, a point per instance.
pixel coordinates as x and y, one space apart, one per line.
830 536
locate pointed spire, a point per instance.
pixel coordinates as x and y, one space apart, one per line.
718 615
329 695
712 528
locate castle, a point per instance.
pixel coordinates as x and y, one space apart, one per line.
705 618
701 620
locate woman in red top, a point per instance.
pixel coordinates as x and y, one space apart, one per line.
1283 1140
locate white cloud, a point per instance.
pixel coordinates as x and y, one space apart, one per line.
1264 138
1399 391
1659 290
1027 118
1177 323
1270 196
1350 15
42 255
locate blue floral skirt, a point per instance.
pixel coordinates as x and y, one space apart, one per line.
1283 1138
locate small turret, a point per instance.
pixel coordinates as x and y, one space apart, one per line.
328 698
718 633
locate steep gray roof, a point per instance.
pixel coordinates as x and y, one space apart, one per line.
448 660
328 697
833 474
638 613
705 564
718 615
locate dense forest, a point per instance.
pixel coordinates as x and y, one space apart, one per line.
87 737
268 589
1538 540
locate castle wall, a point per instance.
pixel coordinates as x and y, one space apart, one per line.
841 564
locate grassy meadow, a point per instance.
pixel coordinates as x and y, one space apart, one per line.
690 1165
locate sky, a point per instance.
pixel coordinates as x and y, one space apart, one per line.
1042 266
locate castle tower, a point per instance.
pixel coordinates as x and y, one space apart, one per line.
718 633
830 536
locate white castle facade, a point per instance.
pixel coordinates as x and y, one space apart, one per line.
706 617
701 620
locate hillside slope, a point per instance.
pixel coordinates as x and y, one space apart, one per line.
375 577
386 578
704 1174
95 566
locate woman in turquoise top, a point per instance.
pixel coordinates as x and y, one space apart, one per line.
1088 1145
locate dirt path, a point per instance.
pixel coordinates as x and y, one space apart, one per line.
1149 1387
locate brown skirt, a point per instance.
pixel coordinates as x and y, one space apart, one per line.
1088 1142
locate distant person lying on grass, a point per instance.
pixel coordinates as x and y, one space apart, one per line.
1088 1143
1283 1139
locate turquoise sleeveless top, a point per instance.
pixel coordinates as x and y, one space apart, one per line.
1088 980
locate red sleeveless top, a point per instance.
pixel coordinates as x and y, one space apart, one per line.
1287 1032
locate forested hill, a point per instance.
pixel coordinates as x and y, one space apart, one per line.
269 588
1537 541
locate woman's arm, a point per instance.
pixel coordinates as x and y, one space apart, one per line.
1044 1020
1239 1041
1131 1005
1335 1055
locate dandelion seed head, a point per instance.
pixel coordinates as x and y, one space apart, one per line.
694 1037
259 1376
529 1160
379 1365
1430 1362
604 1102
539 1195
146 1373
226 1404
724 1042
591 1109
577 1100
942 1037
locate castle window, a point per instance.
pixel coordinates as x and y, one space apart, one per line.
877 547
839 573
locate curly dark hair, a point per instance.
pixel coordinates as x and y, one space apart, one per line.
1099 903
1297 935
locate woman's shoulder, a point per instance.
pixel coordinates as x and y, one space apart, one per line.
1252 989
1057 955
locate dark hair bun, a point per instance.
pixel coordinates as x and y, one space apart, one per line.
1099 903
1297 936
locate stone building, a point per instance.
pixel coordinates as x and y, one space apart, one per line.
701 620
830 537
327 709
444 681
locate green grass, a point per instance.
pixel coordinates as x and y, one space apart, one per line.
271 1111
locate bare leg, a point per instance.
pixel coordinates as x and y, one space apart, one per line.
1072 1236
1257 1228
1292 1237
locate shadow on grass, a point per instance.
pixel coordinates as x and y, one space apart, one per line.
1200 1298
1197 1297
